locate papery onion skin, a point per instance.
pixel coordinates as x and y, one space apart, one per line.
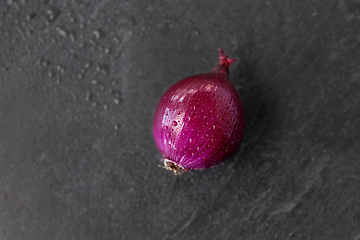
199 121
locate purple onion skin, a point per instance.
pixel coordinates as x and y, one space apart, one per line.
199 121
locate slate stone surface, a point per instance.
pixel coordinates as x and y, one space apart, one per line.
79 84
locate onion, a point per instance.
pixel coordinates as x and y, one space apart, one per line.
199 121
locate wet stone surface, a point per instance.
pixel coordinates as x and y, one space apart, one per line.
79 84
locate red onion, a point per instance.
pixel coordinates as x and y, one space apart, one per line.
199 121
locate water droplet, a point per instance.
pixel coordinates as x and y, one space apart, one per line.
97 34
31 16
94 82
61 68
51 14
61 31
88 95
166 127
92 42
116 101
72 37
174 123
116 126
94 104
106 107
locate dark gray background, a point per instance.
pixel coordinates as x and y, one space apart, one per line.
80 81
